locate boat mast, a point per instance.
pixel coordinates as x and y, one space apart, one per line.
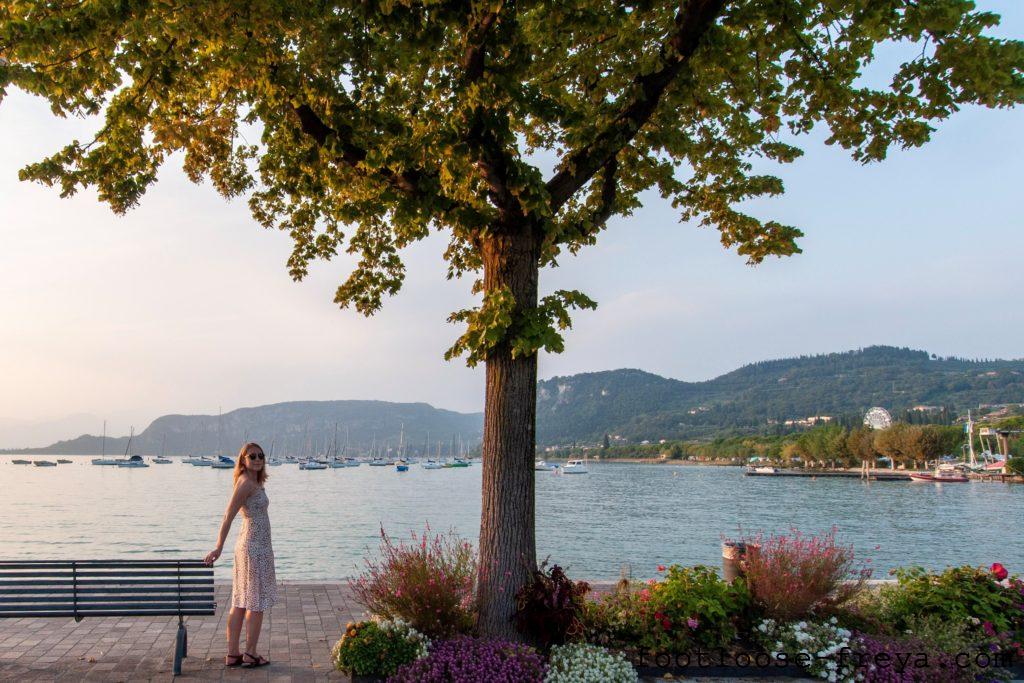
130 435
970 440
104 454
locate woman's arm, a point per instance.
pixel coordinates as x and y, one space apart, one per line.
242 491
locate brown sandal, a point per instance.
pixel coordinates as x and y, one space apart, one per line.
257 660
235 660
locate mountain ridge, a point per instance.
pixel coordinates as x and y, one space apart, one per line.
629 403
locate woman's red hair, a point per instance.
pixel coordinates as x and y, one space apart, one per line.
243 458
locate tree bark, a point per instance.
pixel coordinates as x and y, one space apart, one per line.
507 542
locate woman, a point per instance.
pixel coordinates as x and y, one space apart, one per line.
254 589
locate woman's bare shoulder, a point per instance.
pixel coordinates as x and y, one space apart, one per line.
245 486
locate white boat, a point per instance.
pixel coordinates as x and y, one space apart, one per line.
378 462
44 463
106 461
336 463
223 462
312 465
134 461
103 459
201 461
432 465
161 460
575 467
541 466
352 462
763 469
274 462
943 473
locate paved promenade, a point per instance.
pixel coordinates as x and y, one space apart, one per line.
298 634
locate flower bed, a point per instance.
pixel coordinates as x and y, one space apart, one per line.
802 609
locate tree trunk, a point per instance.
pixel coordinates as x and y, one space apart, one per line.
507 543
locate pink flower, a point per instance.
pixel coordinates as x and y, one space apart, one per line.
692 622
990 630
651 582
645 594
999 571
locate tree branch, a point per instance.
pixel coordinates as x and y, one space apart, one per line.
692 22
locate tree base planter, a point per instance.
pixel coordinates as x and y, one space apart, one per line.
722 672
368 678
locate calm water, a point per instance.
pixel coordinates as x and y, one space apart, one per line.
324 521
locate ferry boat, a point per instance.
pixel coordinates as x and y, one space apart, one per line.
944 473
575 467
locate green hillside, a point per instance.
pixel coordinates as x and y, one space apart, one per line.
761 397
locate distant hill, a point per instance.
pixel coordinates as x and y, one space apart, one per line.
293 428
638 405
633 404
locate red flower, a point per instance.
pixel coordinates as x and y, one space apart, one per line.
661 567
999 571
666 624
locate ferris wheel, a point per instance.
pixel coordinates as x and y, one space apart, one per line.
878 418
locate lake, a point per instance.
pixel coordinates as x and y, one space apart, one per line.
644 515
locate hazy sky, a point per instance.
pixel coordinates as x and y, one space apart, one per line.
185 304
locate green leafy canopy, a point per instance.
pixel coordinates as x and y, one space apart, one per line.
382 120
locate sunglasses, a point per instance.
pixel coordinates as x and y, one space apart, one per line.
255 456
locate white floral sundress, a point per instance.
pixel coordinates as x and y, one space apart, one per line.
255 584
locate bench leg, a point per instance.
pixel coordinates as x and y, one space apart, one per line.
180 647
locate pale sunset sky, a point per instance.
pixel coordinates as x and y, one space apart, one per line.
185 305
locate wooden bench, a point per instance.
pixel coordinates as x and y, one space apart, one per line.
108 588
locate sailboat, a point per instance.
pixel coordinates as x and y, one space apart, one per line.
103 459
161 460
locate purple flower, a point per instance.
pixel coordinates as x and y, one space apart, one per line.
469 660
692 622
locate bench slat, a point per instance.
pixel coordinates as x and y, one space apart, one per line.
105 582
93 564
68 590
121 613
93 607
199 597
102 574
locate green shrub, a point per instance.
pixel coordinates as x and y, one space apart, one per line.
377 648
692 607
957 595
1015 466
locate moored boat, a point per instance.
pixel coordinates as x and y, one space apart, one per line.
401 466
312 465
432 465
44 463
134 461
541 466
575 467
63 461
21 462
161 460
944 473
222 462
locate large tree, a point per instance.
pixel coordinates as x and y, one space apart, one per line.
383 120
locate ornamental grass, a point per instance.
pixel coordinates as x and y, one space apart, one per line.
791 576
428 582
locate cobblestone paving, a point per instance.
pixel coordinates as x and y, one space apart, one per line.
297 637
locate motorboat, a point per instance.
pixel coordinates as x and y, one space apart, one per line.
432 465
161 460
274 462
457 462
337 464
763 469
133 461
944 473
21 462
312 465
541 466
575 467
106 461
44 463
352 462
223 462
201 461
63 461
378 462
401 466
